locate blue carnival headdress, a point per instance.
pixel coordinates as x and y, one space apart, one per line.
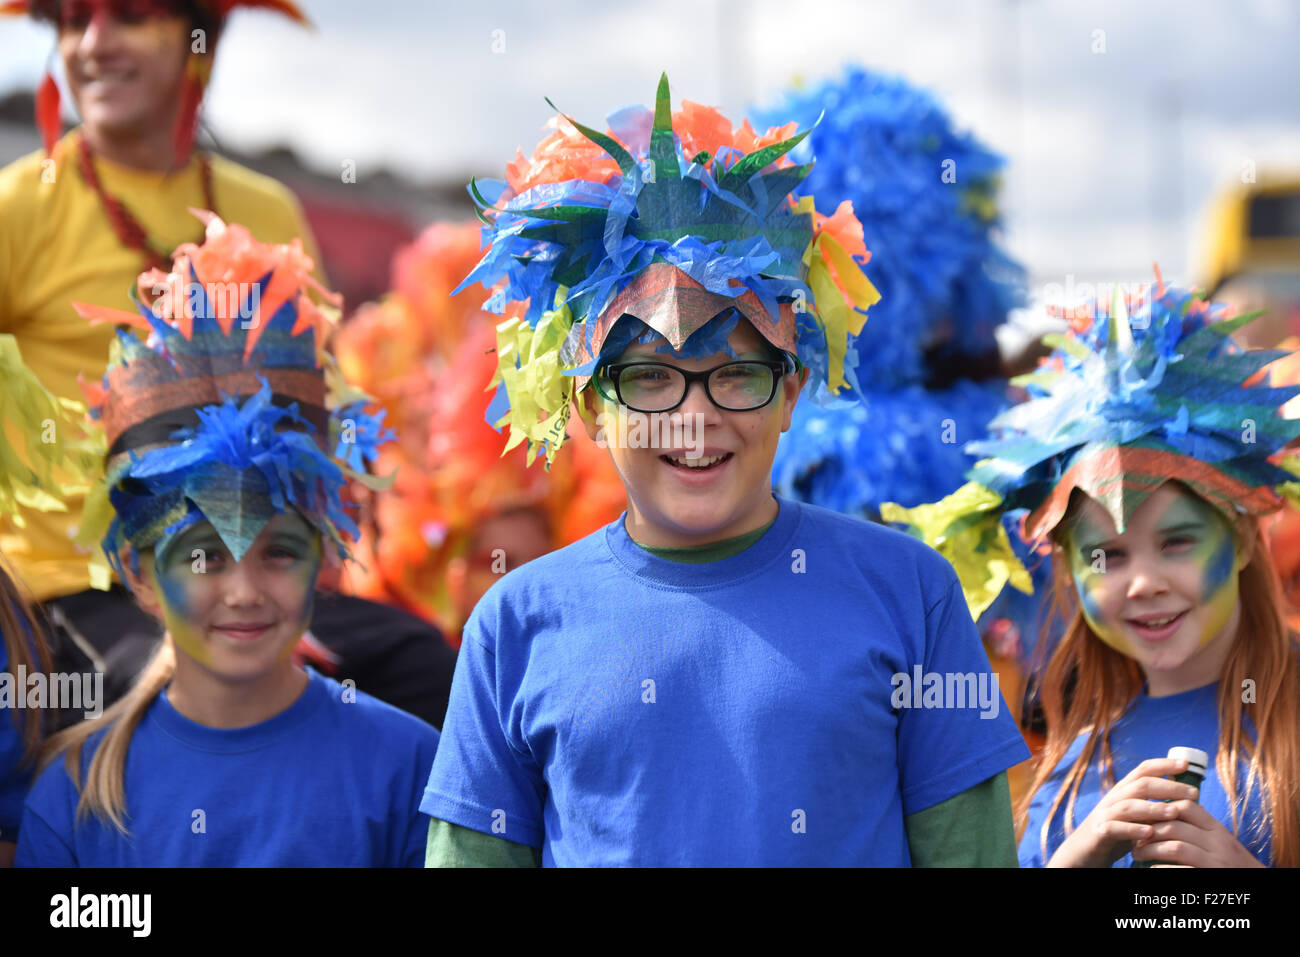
1122 406
222 414
904 445
673 219
926 196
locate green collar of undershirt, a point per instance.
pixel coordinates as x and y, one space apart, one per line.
712 552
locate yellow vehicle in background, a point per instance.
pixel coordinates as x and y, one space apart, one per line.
1253 257
1253 264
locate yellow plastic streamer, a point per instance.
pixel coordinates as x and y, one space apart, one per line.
836 302
96 517
528 362
966 529
57 457
1290 491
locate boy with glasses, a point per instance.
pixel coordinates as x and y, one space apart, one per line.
710 680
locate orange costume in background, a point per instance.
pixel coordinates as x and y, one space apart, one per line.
424 356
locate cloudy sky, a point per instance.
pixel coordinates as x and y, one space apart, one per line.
1120 120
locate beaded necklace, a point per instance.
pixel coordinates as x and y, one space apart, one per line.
127 227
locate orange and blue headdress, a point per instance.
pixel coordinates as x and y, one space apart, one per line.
678 221
1123 405
224 414
426 354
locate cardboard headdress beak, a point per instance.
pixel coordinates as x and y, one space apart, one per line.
676 306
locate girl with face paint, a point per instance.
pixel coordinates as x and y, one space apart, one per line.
1165 592
1159 604
227 753
1146 456
223 493
234 624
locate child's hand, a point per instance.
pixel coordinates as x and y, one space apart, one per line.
1125 816
1193 839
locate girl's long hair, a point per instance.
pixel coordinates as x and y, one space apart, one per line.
1088 685
104 791
22 629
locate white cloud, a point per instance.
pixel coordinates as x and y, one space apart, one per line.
1112 155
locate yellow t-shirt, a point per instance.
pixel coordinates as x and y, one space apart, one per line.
57 246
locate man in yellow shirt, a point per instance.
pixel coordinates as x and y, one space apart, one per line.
66 217
81 219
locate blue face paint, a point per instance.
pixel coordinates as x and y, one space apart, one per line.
1190 538
174 595
175 573
1090 607
1222 565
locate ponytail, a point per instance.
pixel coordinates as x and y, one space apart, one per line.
104 793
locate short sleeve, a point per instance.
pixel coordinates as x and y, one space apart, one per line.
481 779
293 222
954 728
309 243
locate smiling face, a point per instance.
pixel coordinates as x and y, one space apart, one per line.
713 479
1165 592
124 63
238 620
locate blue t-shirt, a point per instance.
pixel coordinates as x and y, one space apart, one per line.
1148 728
332 781
612 707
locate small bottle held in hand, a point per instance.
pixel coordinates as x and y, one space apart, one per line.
1197 760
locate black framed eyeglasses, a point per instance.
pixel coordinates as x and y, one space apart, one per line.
741 386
